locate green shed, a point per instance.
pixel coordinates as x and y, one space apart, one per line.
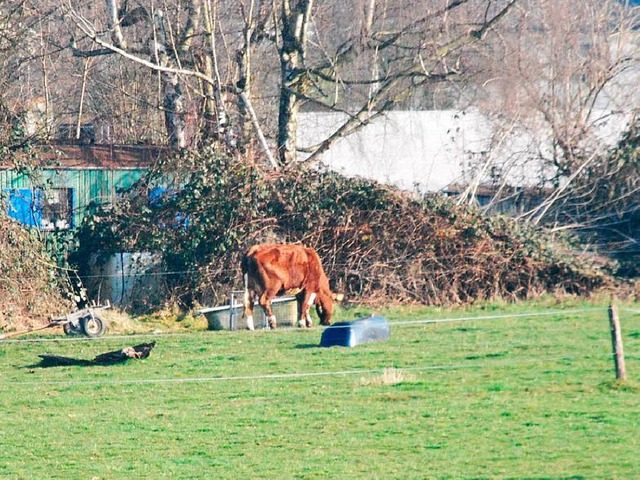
74 180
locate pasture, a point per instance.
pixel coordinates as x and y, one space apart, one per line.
523 391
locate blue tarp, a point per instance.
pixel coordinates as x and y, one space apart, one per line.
350 334
24 205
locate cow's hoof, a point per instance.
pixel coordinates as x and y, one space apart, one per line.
272 323
301 324
309 324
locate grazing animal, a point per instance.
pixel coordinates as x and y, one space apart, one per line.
272 269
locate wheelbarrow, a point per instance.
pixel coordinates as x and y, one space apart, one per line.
81 322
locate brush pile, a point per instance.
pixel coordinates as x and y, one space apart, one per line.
378 244
30 291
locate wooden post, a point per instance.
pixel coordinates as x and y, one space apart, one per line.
616 342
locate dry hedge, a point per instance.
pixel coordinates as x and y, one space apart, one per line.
383 245
378 244
30 291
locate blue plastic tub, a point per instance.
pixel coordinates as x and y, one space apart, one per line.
350 334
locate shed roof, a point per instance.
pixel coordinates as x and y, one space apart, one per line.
107 157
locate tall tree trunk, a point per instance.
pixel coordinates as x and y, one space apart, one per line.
173 103
83 92
215 111
174 111
287 126
295 21
113 21
243 59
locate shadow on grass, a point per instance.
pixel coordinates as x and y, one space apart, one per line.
118 356
306 346
48 361
619 386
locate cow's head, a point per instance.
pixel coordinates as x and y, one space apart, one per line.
324 306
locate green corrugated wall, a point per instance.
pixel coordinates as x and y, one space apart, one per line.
89 185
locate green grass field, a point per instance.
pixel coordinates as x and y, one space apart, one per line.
510 396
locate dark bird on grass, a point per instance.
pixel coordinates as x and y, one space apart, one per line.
138 351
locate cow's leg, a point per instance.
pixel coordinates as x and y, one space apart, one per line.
300 309
247 303
265 303
304 307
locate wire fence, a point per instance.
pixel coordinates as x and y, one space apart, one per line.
325 373
285 376
133 269
392 325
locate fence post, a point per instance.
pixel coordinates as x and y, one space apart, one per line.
616 342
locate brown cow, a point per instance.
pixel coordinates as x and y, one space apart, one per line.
272 269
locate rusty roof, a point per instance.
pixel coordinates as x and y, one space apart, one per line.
108 157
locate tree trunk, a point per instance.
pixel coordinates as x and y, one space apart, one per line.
287 126
295 21
173 104
243 85
113 21
215 111
174 112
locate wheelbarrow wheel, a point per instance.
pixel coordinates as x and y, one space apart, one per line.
72 329
93 326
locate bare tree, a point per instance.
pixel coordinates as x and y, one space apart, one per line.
361 61
27 73
398 48
560 76
166 48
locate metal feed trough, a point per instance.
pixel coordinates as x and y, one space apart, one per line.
229 317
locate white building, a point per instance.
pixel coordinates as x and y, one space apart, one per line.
429 150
